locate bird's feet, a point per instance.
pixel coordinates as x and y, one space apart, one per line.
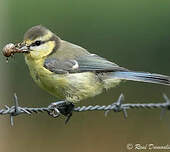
61 107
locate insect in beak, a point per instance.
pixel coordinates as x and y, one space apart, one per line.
10 49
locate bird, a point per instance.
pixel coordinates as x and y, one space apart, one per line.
71 73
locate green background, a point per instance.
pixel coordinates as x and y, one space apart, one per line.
134 34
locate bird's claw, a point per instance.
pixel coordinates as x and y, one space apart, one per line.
54 113
61 108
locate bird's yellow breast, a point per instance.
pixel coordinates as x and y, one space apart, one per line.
71 87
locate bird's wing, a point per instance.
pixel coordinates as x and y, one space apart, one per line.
85 63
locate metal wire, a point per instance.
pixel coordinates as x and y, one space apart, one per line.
117 106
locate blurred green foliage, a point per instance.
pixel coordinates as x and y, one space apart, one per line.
134 34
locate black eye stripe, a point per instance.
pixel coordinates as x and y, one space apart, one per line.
39 42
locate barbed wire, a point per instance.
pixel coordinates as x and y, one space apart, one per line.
52 109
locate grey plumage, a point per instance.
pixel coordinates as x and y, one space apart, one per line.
142 76
86 63
35 32
97 64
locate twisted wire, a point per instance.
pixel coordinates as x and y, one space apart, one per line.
117 106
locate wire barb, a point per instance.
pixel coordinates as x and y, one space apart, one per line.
16 110
53 110
118 107
163 111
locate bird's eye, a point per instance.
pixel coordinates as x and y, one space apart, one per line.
37 43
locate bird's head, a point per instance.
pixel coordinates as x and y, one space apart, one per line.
39 42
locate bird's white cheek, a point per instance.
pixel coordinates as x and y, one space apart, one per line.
40 51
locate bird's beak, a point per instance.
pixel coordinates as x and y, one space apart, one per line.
22 47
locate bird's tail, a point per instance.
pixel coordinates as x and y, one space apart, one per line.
143 77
